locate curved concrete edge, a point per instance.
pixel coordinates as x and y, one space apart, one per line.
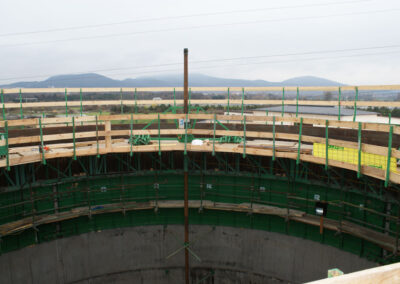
141 253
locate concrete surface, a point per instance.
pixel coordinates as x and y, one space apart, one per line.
139 255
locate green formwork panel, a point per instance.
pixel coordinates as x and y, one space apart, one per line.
24 239
175 216
48 232
214 186
297 229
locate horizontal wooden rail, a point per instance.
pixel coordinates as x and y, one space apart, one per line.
199 102
381 239
106 143
203 89
249 118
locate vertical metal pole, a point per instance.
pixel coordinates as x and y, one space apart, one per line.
135 101
97 138
185 168
242 100
8 156
80 97
283 101
41 142
297 102
244 136
189 104
299 145
131 136
174 111
2 101
273 138
185 81
389 156
122 104
73 137
213 150
326 145
359 151
186 213
340 94
185 149
355 105
20 104
228 102
159 136
66 103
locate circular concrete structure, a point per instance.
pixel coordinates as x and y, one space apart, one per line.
146 255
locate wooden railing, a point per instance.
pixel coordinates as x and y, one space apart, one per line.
129 97
99 140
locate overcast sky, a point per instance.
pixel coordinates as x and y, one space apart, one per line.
148 33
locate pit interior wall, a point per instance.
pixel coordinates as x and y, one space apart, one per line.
216 184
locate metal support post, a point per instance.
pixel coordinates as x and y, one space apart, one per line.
159 137
186 217
122 103
242 100
7 154
41 148
189 103
273 138
174 110
97 138
389 155
213 150
66 103
80 98
131 136
283 102
359 151
326 145
299 144
20 104
228 102
136 101
186 127
355 105
244 136
185 81
185 170
340 95
73 137
4 107
297 102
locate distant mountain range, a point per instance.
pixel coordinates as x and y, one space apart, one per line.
175 80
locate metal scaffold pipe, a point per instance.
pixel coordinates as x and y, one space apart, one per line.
185 81
185 170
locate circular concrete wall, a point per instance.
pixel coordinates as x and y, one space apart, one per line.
143 255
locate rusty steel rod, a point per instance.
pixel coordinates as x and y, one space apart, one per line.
186 213
185 167
185 81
